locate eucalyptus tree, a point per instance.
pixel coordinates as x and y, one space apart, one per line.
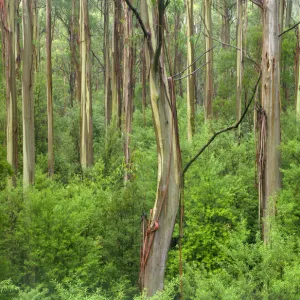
86 125
106 56
268 152
8 17
49 88
127 83
208 94
28 95
116 75
239 57
288 16
163 215
191 69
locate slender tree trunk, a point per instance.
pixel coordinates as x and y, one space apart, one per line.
116 70
144 84
163 215
209 60
270 179
288 17
86 139
35 24
127 84
297 76
75 80
191 69
17 38
9 39
49 88
106 46
28 96
239 58
225 29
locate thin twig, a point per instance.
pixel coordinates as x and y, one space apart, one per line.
192 72
282 33
193 62
222 131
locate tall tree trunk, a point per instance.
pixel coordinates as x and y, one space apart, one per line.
270 179
288 17
239 58
36 35
297 76
17 37
127 84
49 88
75 76
9 39
86 126
191 69
209 61
116 70
162 219
106 46
28 96
144 84
225 29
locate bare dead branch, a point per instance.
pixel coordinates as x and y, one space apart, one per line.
192 72
282 33
193 62
235 126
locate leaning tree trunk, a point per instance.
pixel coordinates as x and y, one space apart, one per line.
163 216
49 89
9 39
270 179
209 61
28 97
191 69
86 126
127 84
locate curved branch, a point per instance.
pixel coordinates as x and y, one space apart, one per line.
282 33
134 10
222 131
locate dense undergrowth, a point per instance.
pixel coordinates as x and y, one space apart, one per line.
77 236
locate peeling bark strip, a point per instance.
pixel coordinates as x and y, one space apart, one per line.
261 158
7 15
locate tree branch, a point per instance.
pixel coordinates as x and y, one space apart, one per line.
259 3
192 72
134 10
194 62
222 131
282 33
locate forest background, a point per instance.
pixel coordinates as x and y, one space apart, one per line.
80 148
